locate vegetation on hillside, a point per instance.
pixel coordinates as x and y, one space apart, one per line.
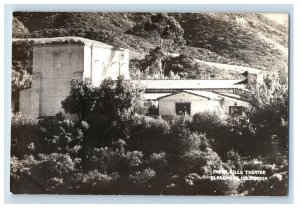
116 149
176 67
237 39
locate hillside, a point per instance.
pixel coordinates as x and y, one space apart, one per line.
244 40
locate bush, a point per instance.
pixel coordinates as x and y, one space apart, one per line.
44 174
25 135
152 111
61 136
148 134
95 182
207 122
196 167
227 133
233 160
275 185
103 159
158 161
142 177
193 184
195 141
270 110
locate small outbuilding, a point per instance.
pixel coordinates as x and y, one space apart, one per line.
189 103
188 97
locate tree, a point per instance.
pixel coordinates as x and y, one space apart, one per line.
269 111
166 28
20 78
106 109
117 97
111 116
111 98
81 99
152 62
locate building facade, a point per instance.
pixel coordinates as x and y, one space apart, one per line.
188 97
57 60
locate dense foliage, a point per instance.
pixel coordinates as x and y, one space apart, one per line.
114 148
158 65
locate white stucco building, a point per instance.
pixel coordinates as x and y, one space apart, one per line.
188 97
57 60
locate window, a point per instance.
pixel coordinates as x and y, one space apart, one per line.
17 107
235 110
183 108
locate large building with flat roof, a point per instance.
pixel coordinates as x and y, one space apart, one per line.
57 60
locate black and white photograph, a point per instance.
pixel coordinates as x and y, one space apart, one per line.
143 103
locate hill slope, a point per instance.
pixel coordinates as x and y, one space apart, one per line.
249 40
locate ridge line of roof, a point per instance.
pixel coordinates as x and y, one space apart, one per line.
177 92
75 39
222 94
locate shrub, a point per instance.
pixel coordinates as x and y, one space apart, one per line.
193 184
152 111
148 134
134 159
25 135
44 174
179 124
95 182
233 160
201 162
207 122
196 167
63 136
270 110
275 185
142 177
158 161
195 141
20 179
103 159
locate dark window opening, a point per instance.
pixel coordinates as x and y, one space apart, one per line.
235 110
17 107
183 108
